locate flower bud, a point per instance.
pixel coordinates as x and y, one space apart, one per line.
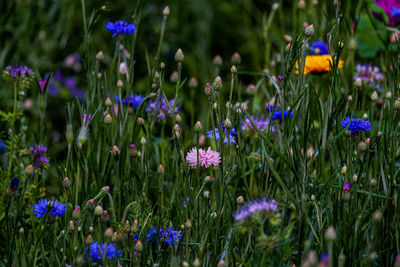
107 119
208 89
222 263
309 31
108 102
89 240
343 170
143 141
160 169
179 56
275 6
29 169
358 83
240 200
217 83
126 227
21 231
251 89
196 263
208 179
123 68
373 182
134 227
228 124
91 229
90 204
105 217
66 182
71 226
76 213
214 215
374 96
395 37
174 77
108 233
139 246
99 56
389 95
115 151
217 61
188 224
330 234
301 4
193 83
233 69
198 127
362 146
98 211
166 11
236 59
313 199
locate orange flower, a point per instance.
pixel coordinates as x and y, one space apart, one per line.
318 64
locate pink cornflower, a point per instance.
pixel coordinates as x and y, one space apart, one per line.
206 158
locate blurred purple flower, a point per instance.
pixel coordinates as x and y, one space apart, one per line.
391 8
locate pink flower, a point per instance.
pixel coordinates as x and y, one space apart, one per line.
206 158
42 84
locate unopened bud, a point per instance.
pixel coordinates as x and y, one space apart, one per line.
236 58
373 182
228 124
217 83
90 204
343 170
139 246
301 4
233 69
99 56
374 96
166 11
358 83
160 169
174 77
108 233
217 61
330 234
108 102
162 65
395 37
143 141
275 6
105 217
193 83
309 31
208 89
126 227
29 169
89 240
120 83
240 200
123 68
98 211
388 95
362 146
107 119
179 56
188 224
76 213
198 127
66 182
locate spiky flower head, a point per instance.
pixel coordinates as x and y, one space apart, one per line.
207 158
55 208
356 125
120 28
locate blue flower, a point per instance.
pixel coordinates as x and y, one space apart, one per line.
278 115
120 27
97 250
14 184
319 48
232 133
3 146
258 206
40 208
56 209
169 236
19 72
395 12
356 125
135 100
111 251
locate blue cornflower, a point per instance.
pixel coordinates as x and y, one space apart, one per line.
278 115
232 133
97 251
269 108
168 235
395 12
118 99
120 27
40 208
3 146
111 251
135 100
356 125
13 186
319 48
56 209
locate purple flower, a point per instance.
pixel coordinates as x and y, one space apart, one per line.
356 125
19 72
120 27
260 206
391 8
346 187
319 48
38 155
369 75
262 124
160 106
